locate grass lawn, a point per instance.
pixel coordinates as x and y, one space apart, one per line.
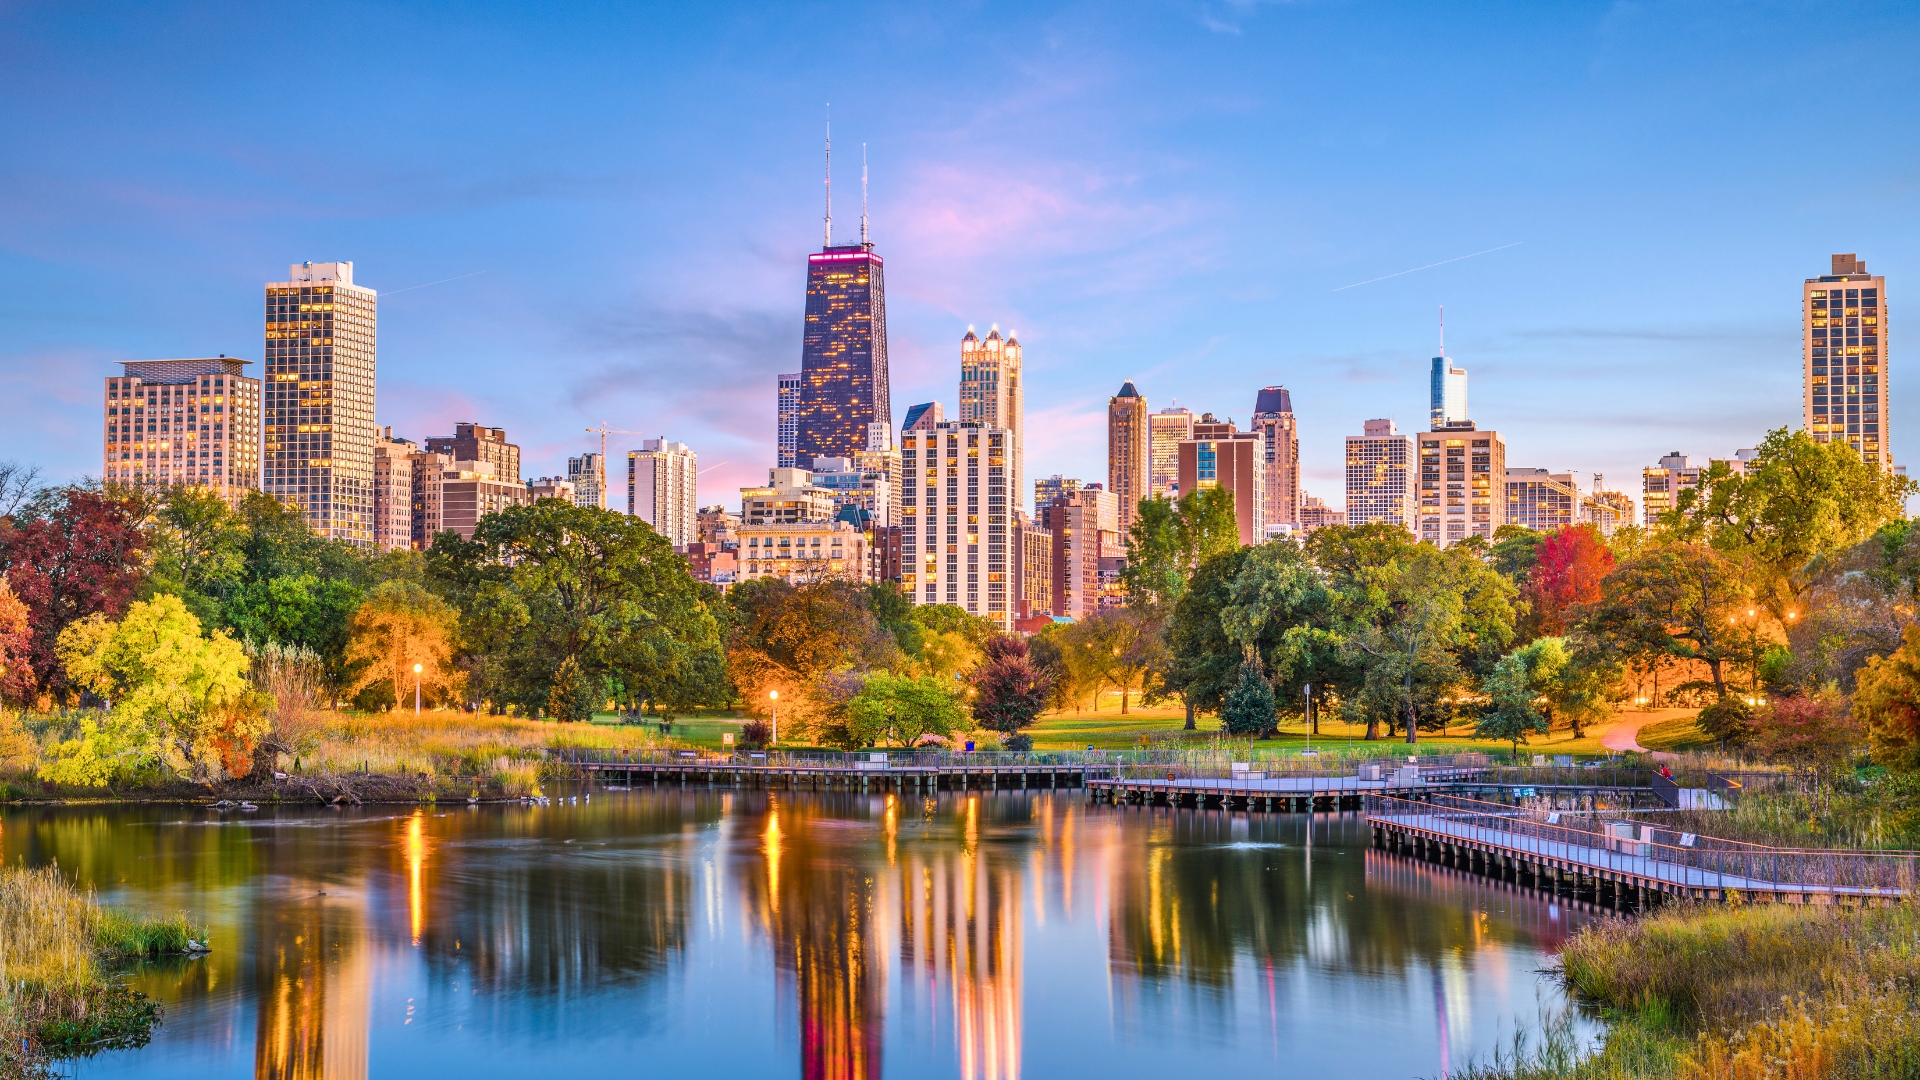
1676 736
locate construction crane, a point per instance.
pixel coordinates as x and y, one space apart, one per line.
603 431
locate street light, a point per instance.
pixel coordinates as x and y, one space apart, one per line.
1309 694
416 689
774 696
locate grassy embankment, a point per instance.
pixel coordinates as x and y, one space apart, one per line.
1737 992
59 949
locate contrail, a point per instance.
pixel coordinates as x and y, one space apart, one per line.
442 281
714 466
1429 266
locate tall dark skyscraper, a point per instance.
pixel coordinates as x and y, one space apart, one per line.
843 353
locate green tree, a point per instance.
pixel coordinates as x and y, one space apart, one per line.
902 710
1202 663
1676 601
541 584
1157 560
1796 501
1249 706
180 701
1514 549
1512 711
197 547
1206 525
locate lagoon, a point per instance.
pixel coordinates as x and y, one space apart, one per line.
721 932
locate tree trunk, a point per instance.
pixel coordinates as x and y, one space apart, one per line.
1189 703
1413 719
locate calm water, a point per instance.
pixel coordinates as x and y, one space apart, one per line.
760 934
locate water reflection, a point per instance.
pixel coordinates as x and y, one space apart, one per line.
852 936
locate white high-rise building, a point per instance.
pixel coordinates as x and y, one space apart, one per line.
992 394
956 514
393 492
663 480
1381 484
319 386
787 420
589 475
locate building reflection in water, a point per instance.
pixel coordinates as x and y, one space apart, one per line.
313 982
839 906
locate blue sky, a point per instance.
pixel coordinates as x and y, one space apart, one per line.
1171 193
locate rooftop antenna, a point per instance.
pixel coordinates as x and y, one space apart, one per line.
829 236
1443 331
863 194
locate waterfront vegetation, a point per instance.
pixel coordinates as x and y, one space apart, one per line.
61 954
1735 992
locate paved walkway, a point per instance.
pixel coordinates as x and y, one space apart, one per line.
1624 735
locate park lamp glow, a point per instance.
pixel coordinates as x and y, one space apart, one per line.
774 696
417 669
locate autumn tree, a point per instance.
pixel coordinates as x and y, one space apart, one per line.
1009 691
180 700
70 553
401 626
1568 566
17 680
1887 703
794 639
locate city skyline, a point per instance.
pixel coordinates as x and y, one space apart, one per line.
1141 252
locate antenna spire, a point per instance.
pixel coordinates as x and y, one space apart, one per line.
1443 331
829 230
863 193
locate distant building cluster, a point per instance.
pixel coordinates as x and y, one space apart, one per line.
935 505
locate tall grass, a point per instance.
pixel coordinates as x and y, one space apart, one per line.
58 996
449 743
1741 993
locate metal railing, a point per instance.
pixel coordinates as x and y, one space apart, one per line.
1650 851
851 761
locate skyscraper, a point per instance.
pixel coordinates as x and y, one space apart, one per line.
663 480
1661 485
1542 501
1084 525
1471 499
1844 341
183 422
843 350
1448 393
318 432
789 419
956 528
1167 429
1051 490
1128 453
1380 477
991 393
1279 456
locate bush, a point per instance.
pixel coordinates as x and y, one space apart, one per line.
1248 709
756 735
1022 742
1730 720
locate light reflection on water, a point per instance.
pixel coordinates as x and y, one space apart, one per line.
981 936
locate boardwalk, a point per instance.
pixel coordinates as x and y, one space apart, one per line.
1634 865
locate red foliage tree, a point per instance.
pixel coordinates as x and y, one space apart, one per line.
17 680
1566 573
1009 690
71 553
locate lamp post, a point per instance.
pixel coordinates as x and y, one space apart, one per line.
416 689
774 696
1308 690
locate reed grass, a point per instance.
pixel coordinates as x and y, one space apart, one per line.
58 949
1740 992
451 743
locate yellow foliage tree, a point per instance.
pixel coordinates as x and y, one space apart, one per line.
398 626
177 700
